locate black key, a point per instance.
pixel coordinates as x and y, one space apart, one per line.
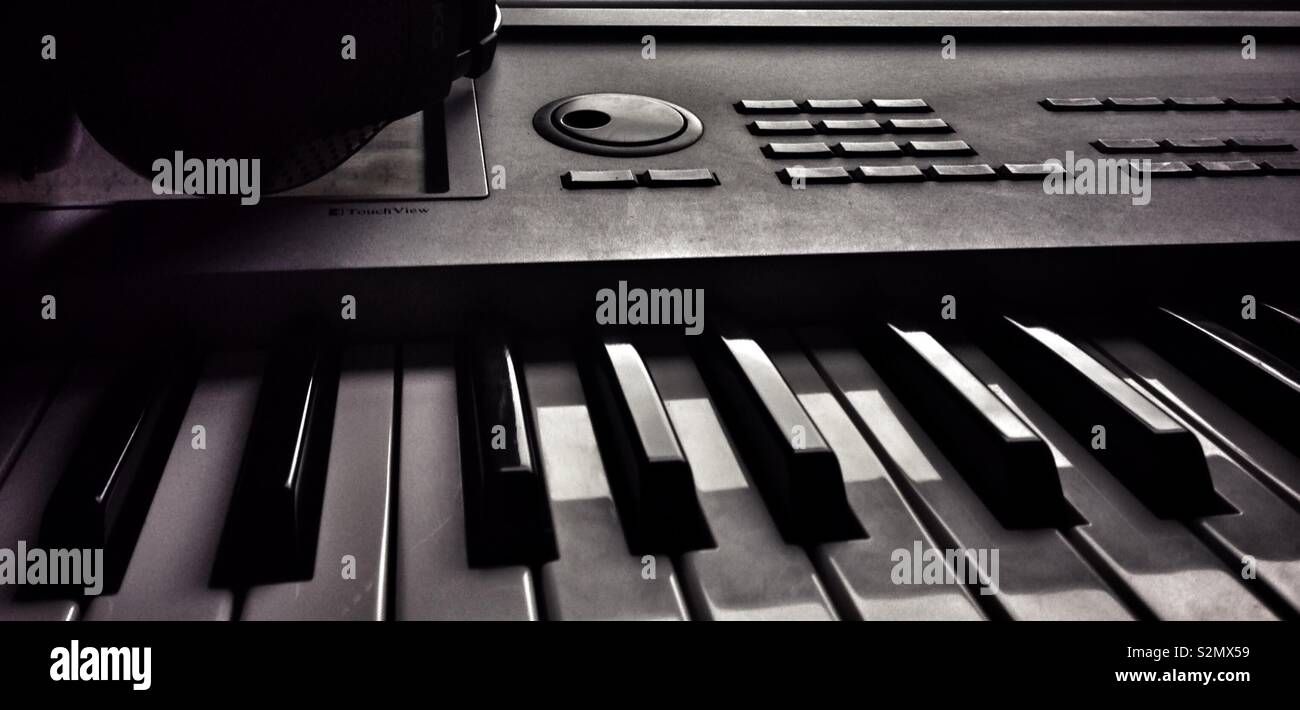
1277 329
1127 145
274 518
1258 103
794 151
849 126
649 475
507 519
696 177
950 173
868 149
1194 145
598 179
1282 166
763 106
928 148
1252 143
888 173
1196 103
781 128
1080 104
1030 171
1228 168
1142 103
1255 383
103 497
795 468
917 125
1172 168
900 105
814 176
833 106
1150 452
1005 462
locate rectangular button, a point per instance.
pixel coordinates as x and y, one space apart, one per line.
850 126
922 148
868 149
1228 167
1258 143
761 106
781 128
833 106
1258 103
814 176
1030 171
900 105
1081 104
917 125
698 177
597 179
1143 103
1194 145
1196 103
1126 145
1283 166
888 173
1172 168
947 173
778 151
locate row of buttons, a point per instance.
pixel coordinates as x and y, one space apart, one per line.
777 106
872 149
1176 103
839 127
836 175
1190 145
622 179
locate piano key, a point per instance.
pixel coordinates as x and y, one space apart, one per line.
1261 387
595 576
27 386
349 568
852 569
650 476
1275 466
504 497
1277 329
1039 575
271 531
432 576
27 489
1156 458
752 573
1004 461
169 573
1169 572
796 471
106 490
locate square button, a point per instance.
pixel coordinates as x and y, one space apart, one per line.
1171 168
761 106
868 149
1257 143
781 128
949 173
1258 103
598 179
1228 168
815 176
1197 103
1194 145
938 148
841 126
917 125
1283 166
1126 145
797 150
698 177
1141 103
834 106
1030 171
1081 104
900 105
888 173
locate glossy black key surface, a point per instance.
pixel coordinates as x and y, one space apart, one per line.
1251 380
900 105
1127 145
274 520
507 519
849 126
598 179
102 498
781 128
888 173
649 474
928 148
1142 103
762 106
814 176
1261 143
1277 328
976 171
1159 460
1196 103
833 106
794 151
1194 145
1079 104
1228 168
1005 462
917 125
867 149
794 467
690 177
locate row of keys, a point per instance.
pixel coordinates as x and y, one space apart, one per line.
786 106
1192 145
849 127
836 175
1176 103
865 149
624 179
